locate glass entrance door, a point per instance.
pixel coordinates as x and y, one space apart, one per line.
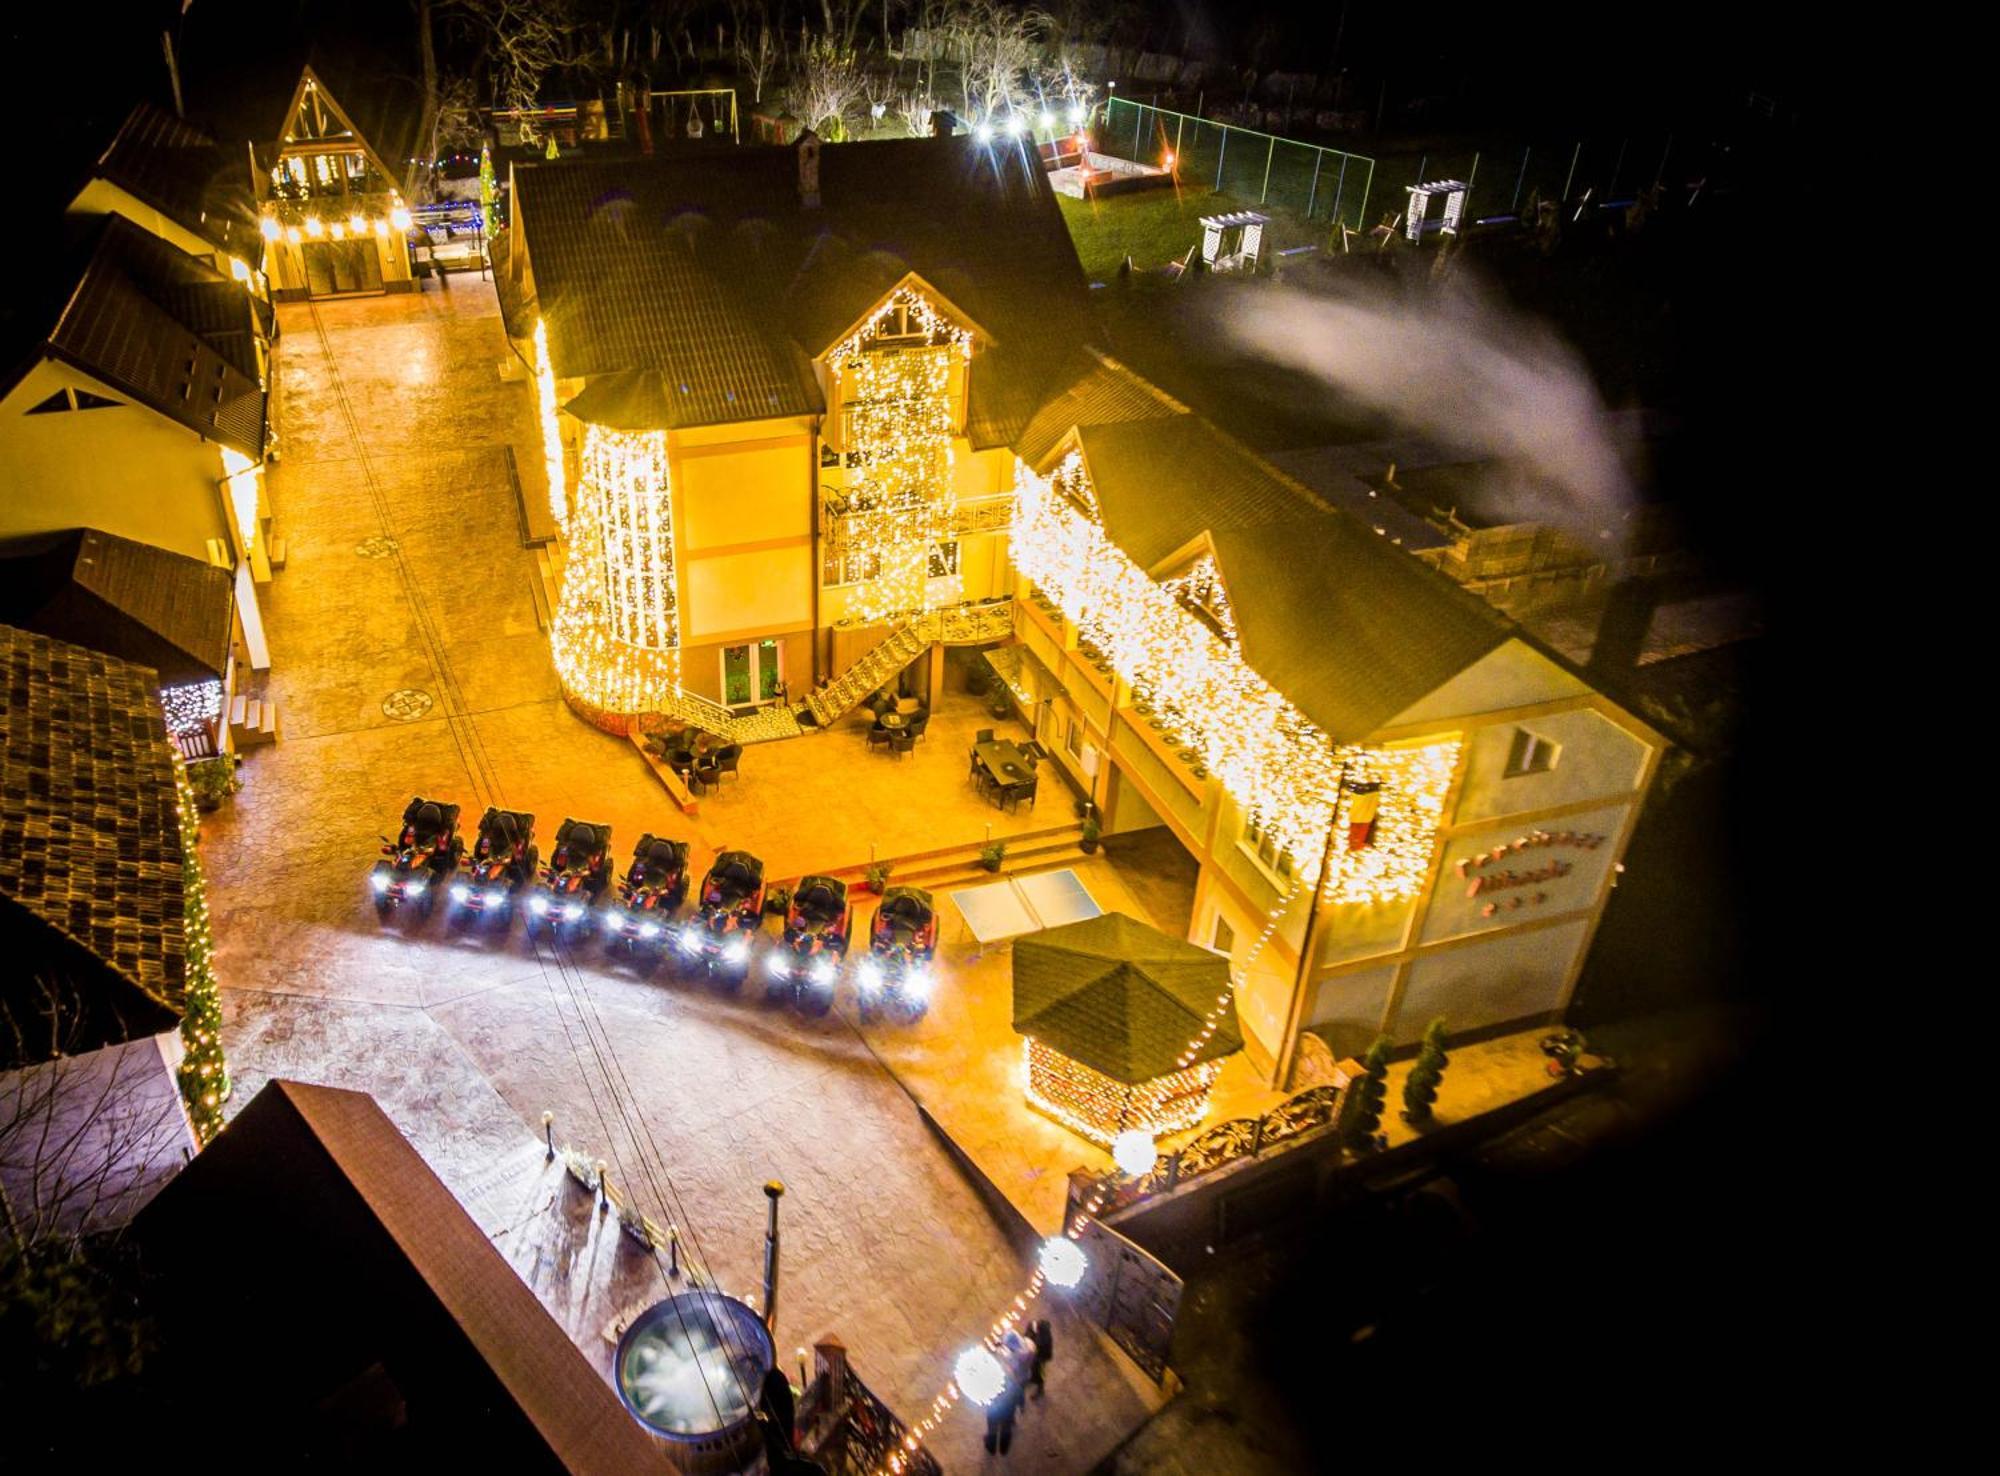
752 673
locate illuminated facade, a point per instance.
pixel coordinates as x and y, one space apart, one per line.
843 432
332 214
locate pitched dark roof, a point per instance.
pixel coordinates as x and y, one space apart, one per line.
145 321
1350 628
407 1290
130 600
90 848
705 266
1119 996
1096 391
184 174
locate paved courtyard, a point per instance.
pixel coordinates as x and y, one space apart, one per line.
406 576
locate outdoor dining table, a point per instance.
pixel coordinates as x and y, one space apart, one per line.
895 722
1003 762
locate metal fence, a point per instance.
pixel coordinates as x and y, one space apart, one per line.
1314 183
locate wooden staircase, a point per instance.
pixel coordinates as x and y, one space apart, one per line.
252 721
831 702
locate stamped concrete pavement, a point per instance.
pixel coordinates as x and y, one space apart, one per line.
406 659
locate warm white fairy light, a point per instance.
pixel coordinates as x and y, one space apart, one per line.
617 631
552 447
896 378
1100 1107
1282 770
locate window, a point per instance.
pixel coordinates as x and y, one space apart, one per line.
1531 754
1073 739
1258 842
943 562
1224 936
85 400
55 404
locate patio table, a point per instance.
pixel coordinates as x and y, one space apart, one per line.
1003 762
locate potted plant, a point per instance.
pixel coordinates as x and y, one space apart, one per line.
1000 707
877 876
1361 1108
213 781
1087 842
976 679
1420 1088
992 854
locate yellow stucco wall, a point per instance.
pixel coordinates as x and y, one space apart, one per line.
126 470
743 518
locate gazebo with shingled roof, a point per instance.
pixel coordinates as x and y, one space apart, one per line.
1107 1008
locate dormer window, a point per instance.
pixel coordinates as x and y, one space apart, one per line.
1200 591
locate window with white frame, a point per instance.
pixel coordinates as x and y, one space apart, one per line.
1531 754
1259 843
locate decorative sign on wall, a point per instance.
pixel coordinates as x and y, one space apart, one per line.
1487 873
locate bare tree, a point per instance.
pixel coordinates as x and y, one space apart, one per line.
825 88
915 109
757 52
999 52
81 1135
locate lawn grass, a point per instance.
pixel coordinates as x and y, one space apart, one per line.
1157 226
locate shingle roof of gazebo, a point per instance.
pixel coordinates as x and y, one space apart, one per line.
1119 996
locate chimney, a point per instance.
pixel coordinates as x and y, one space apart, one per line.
944 123
1622 628
808 151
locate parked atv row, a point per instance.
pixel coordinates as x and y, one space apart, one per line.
573 893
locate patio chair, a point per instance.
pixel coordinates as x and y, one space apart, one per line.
1013 794
706 775
984 735
727 758
918 725
878 737
902 743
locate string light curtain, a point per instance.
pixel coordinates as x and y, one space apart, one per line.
1284 771
552 446
896 372
617 627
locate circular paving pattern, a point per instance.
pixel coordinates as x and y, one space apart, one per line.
378 547
406 704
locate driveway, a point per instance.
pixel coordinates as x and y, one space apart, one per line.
407 593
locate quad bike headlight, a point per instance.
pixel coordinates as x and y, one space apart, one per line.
649 930
823 971
572 911
869 975
690 942
736 950
779 967
379 881
917 984
460 892
495 896
538 905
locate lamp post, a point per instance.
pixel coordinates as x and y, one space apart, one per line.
1309 944
774 1190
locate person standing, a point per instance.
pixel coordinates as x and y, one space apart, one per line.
1000 1417
1045 1347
